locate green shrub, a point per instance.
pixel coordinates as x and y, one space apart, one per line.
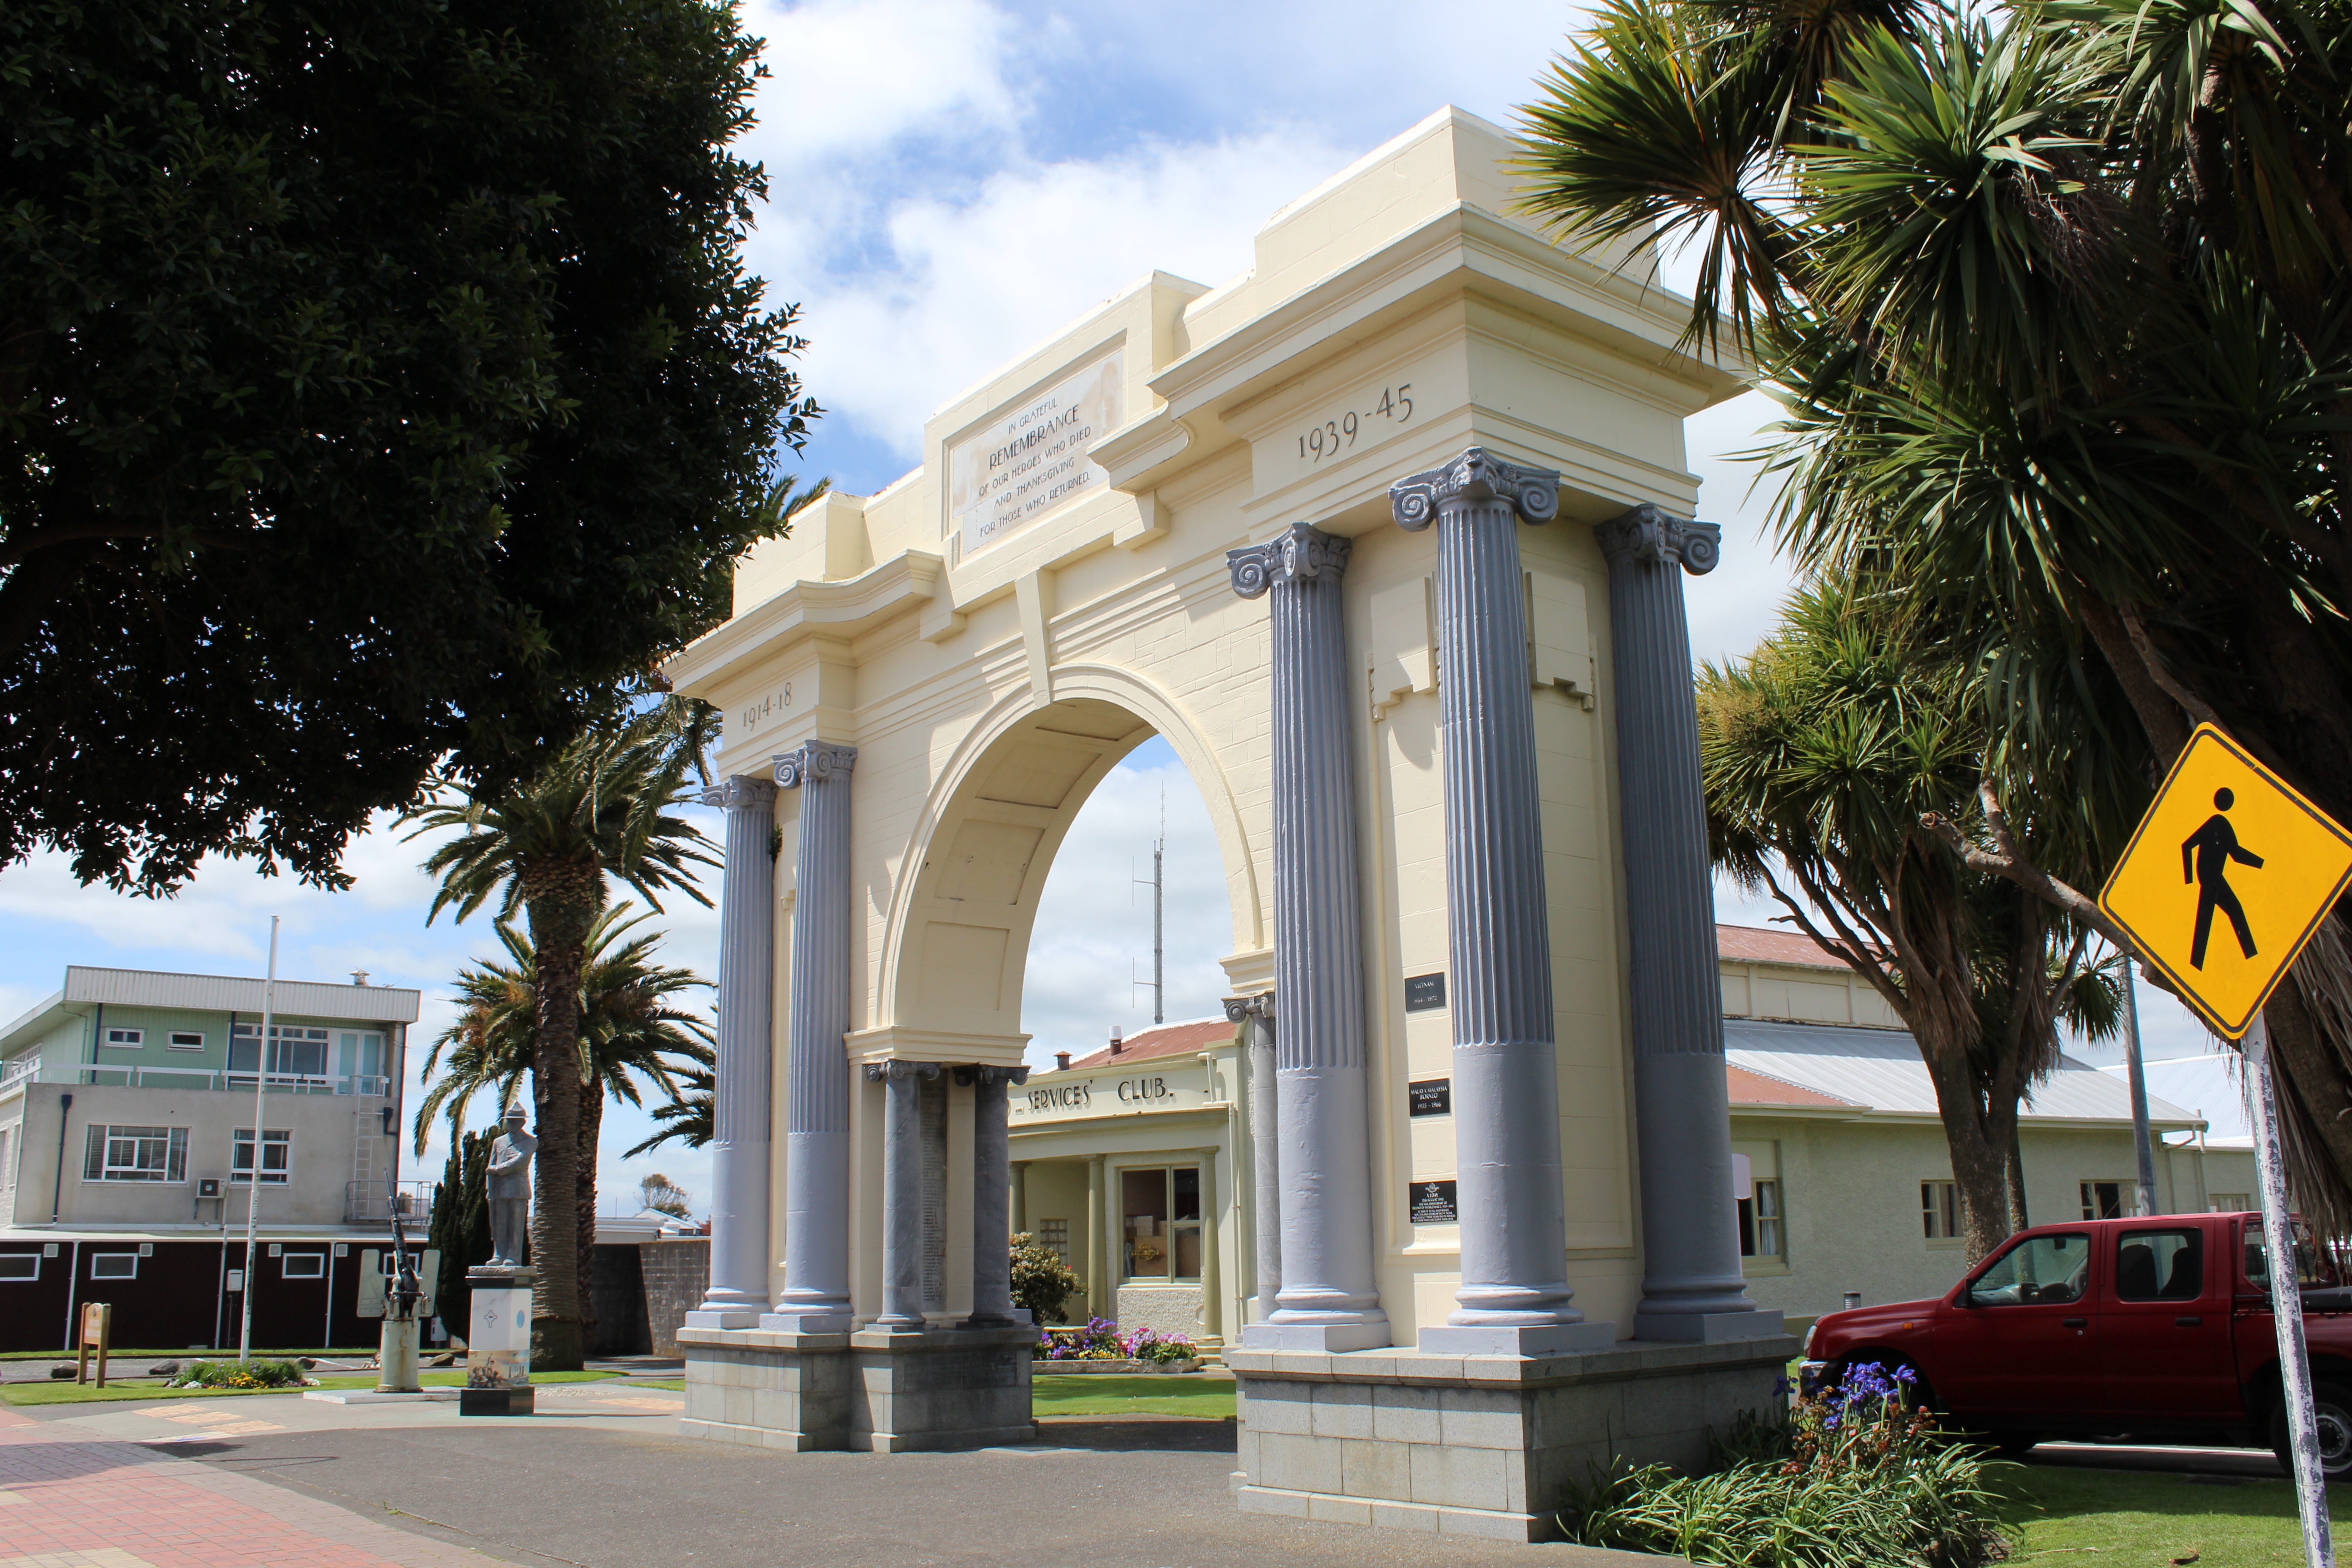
1855 1477
1041 1280
239 1374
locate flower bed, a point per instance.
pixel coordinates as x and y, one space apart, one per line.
1855 1477
1098 1346
241 1375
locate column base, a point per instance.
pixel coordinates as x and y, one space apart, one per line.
1707 1328
709 1316
839 1323
865 1393
1475 1445
1319 1338
1520 1340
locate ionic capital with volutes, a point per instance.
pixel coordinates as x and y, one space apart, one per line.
1649 536
1300 551
1477 475
814 760
741 791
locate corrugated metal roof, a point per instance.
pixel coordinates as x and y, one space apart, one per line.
2210 1085
1880 1068
1749 1087
237 994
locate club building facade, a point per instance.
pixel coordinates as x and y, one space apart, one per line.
1138 1163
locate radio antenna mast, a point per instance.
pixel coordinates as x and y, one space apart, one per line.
1159 916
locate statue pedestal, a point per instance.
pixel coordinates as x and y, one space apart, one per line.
498 1345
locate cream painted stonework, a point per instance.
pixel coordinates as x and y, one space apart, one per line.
993 651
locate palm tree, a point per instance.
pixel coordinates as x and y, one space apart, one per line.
2059 298
599 809
688 1116
630 1026
1830 756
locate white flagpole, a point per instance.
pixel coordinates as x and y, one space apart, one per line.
253 1175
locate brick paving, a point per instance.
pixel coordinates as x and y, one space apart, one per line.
68 1501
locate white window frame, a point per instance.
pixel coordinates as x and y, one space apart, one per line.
129 1257
120 1040
9 1258
2230 1203
240 1140
185 1040
1766 1218
283 1039
1939 1212
286 1269
101 1142
2127 1197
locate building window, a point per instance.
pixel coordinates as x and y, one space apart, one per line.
277 1156
187 1040
114 1266
359 1063
135 1155
1159 1222
20 1266
303 1266
1054 1235
1940 1210
2107 1200
2222 1202
294 1051
1759 1221
126 1039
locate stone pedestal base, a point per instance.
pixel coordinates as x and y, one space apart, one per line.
1479 1444
497 1342
522 1401
869 1392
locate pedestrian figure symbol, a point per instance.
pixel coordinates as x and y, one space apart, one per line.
2205 856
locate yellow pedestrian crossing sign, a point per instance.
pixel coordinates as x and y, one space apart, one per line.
2225 879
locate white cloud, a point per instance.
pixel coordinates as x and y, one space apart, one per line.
852 77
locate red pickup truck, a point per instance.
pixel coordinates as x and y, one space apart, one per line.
2157 1330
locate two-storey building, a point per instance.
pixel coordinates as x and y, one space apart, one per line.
130 1153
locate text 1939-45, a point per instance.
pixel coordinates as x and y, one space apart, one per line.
1336 436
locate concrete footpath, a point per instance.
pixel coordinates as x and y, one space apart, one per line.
600 1479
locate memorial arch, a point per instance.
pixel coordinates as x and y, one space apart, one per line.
1386 536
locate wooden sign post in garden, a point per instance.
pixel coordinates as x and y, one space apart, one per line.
97 1322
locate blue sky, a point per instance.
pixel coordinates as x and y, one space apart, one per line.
951 180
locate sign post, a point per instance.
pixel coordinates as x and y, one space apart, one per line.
97 1324
2225 879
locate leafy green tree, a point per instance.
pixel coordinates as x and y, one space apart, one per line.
460 1230
381 384
543 850
1042 1281
2057 298
630 1028
663 1195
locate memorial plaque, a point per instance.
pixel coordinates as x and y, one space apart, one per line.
1431 1097
1432 1203
1425 992
1034 457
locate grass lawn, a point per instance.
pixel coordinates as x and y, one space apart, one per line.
348 1353
90 1393
1172 1393
2135 1520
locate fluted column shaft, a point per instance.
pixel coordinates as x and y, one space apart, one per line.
815 1297
992 1198
740 1169
1514 1297
1328 1299
1256 1013
902 1193
1692 1286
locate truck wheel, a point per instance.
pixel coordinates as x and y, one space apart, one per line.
2332 1408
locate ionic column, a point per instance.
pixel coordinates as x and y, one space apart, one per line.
737 1292
1020 1196
1328 1300
1691 1282
902 1194
1266 1145
816 1299
1514 1299
1101 1280
992 1178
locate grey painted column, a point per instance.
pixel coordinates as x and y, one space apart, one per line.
902 1194
816 1299
1020 1195
1328 1301
1101 1281
992 1196
1514 1298
1265 1146
1691 1282
740 1171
